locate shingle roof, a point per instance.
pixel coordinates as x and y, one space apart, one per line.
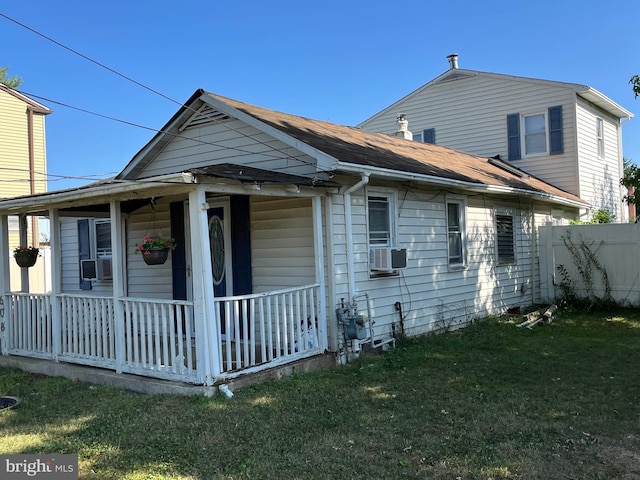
353 146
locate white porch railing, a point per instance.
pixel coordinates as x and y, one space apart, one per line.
26 317
156 338
260 330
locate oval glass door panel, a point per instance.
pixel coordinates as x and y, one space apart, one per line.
216 242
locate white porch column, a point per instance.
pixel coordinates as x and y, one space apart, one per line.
117 271
5 283
24 272
205 315
318 246
56 281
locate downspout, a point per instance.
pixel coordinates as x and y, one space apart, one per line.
349 231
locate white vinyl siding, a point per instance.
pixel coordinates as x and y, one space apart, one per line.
282 247
599 176
229 142
432 294
469 115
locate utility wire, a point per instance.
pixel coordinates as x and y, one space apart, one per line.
115 72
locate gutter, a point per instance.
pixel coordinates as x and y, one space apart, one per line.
351 274
447 182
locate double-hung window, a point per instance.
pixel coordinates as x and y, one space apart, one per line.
103 238
535 133
456 220
600 137
505 236
381 218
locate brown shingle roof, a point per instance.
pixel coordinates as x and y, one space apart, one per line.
354 146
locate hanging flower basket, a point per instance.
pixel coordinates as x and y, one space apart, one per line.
155 256
155 252
26 256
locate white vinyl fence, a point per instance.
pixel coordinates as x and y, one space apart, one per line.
598 259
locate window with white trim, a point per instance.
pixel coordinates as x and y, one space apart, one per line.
505 236
534 127
102 243
600 137
456 231
381 217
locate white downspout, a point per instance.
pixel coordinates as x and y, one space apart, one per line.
349 231
621 189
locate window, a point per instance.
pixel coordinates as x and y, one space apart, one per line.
378 208
505 240
535 133
103 238
456 213
600 137
428 135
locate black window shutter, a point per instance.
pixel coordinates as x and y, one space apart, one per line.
429 136
84 250
513 136
555 130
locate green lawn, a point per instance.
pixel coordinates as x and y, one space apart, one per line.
491 401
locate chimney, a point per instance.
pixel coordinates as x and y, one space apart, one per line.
453 60
402 128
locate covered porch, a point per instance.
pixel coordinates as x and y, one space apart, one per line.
173 322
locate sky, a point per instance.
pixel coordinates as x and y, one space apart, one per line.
339 61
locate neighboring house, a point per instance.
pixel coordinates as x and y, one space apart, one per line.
24 166
566 134
294 238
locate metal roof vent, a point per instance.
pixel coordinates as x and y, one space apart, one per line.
453 60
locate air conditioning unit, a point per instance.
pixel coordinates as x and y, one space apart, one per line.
387 259
96 269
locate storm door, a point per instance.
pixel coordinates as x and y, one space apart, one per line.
220 249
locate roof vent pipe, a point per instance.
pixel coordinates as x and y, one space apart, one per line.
453 60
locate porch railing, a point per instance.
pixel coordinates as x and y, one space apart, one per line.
267 328
26 318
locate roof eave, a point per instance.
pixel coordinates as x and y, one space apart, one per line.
447 182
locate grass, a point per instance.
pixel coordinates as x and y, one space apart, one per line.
491 401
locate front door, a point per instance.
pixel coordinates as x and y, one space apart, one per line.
220 245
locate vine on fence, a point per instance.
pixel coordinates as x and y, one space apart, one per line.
585 259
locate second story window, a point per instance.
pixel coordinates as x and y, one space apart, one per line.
535 134
600 137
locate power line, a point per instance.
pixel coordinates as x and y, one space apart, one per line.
115 72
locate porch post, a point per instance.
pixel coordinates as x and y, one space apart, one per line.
56 281
24 272
5 283
320 276
205 318
117 272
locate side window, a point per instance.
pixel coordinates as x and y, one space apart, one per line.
505 236
456 231
600 137
417 137
380 221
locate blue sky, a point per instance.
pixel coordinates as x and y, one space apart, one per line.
335 61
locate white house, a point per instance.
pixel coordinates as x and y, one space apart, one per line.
566 134
294 238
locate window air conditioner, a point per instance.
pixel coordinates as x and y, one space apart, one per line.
96 269
387 259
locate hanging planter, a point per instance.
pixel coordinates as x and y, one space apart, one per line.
26 256
155 251
155 256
